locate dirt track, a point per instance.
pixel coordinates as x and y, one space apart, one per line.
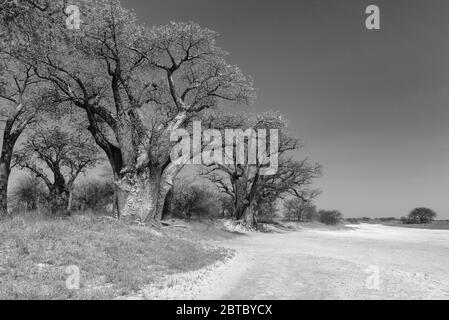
338 264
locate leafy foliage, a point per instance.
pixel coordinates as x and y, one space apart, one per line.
299 210
420 216
94 194
330 217
57 157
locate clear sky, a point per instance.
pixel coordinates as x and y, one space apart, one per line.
371 106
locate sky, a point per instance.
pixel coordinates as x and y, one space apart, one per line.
370 105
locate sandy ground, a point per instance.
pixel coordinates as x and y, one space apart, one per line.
361 262
358 262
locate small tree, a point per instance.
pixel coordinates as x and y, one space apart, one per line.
293 209
310 213
300 210
421 216
332 217
63 154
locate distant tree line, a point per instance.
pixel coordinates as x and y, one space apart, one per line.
416 216
304 211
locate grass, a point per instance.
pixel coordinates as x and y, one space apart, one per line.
114 258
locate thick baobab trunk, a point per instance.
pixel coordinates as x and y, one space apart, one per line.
240 201
142 196
140 187
245 204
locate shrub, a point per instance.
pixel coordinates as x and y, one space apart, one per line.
206 202
226 206
188 200
267 210
293 209
330 217
93 194
30 194
310 214
297 209
405 220
353 221
387 219
421 216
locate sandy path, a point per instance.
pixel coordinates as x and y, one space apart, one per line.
323 264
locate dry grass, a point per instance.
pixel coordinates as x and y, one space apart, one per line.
114 258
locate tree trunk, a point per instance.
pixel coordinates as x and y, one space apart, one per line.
240 209
142 196
10 137
58 198
5 171
249 218
167 211
4 178
240 201
69 205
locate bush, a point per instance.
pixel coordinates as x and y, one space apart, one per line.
207 202
187 201
330 217
405 220
353 221
267 210
226 206
388 219
93 195
420 216
30 194
297 209
310 214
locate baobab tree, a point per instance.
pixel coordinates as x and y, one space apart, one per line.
57 157
136 85
245 183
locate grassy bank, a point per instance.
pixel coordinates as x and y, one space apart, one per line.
114 258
